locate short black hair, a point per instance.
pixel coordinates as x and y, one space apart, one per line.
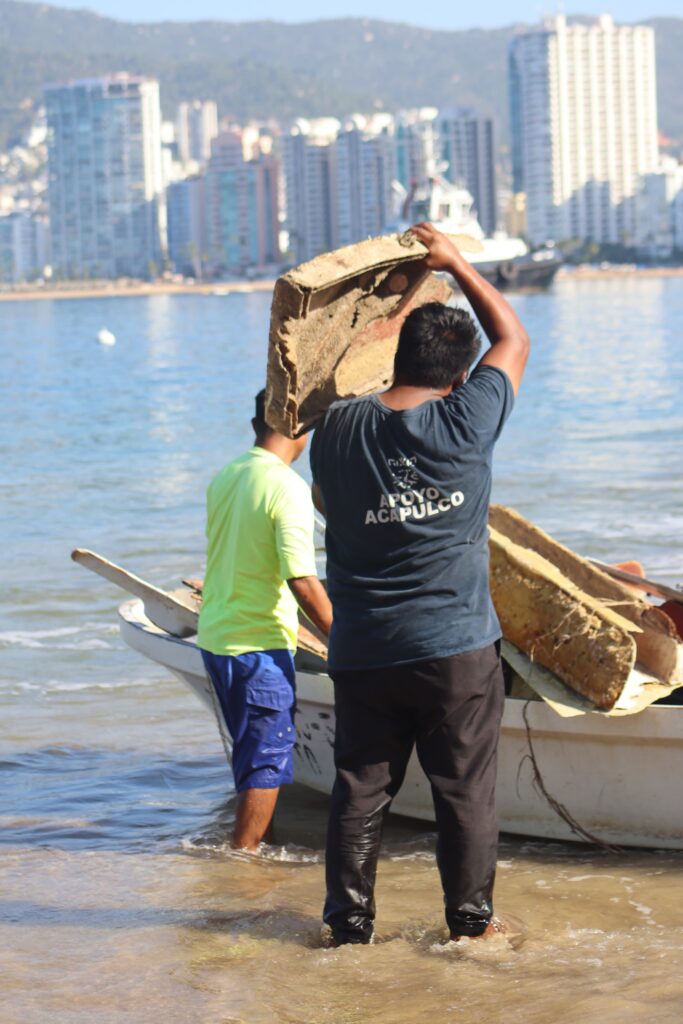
260 425
436 344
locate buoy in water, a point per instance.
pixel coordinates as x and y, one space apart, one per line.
105 337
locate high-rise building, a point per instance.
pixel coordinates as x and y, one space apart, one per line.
456 143
656 210
196 127
467 145
242 207
364 171
583 116
107 213
263 237
309 187
225 203
678 223
416 146
187 236
23 246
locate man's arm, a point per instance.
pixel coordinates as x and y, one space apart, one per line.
509 340
313 601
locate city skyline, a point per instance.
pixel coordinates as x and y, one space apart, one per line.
204 193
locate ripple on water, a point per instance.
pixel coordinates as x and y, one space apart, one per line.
76 798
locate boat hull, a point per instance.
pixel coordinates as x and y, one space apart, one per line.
619 778
520 272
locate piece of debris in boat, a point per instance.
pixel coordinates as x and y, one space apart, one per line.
591 631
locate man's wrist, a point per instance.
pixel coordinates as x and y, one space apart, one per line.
457 264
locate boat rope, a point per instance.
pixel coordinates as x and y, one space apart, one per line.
558 807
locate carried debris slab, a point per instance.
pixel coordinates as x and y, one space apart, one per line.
335 322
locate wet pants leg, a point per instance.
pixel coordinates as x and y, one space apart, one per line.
451 709
373 742
457 745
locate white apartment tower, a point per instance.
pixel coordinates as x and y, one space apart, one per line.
364 171
107 211
241 206
310 180
583 115
417 149
467 144
196 127
187 225
23 246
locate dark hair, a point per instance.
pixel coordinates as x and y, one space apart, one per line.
260 425
436 344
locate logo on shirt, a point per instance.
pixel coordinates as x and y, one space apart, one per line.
404 473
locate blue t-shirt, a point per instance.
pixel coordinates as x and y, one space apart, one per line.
406 498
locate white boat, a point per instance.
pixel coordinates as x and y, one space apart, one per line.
505 261
617 778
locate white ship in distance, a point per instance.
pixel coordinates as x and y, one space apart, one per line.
506 262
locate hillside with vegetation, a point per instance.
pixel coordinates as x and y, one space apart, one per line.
271 69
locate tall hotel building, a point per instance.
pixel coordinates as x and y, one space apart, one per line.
364 171
196 128
416 142
467 144
107 214
338 182
241 206
583 115
458 143
187 226
310 187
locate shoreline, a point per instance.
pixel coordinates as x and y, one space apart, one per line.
108 290
588 272
80 290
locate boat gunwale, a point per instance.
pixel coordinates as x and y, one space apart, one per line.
592 725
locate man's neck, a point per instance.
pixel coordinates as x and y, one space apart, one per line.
278 445
405 396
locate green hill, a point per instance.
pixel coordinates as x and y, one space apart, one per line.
261 69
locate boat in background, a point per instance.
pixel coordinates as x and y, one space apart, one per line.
504 261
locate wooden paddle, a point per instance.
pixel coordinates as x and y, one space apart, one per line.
175 613
167 611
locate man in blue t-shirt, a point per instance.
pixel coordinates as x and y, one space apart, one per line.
404 479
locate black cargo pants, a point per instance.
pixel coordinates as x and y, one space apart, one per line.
450 709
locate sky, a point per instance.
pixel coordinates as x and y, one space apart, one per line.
439 14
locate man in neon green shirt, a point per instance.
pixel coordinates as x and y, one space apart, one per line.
260 570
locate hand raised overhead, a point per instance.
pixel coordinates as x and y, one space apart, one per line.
442 252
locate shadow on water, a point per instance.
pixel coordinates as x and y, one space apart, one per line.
276 922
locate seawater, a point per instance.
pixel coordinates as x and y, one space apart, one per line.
119 898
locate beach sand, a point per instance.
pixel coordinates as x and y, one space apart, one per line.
114 289
110 289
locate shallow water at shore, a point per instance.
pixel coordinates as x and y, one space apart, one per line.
188 931
120 899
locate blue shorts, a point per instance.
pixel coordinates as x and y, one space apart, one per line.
257 695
